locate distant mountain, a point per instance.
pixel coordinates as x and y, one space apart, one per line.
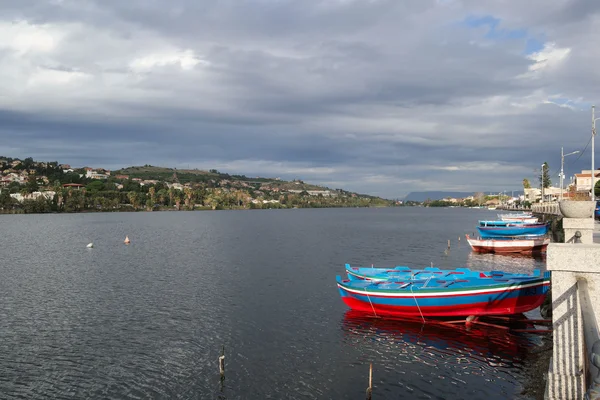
435 195
438 195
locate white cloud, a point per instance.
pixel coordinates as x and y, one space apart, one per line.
550 56
186 60
24 37
477 167
383 96
52 77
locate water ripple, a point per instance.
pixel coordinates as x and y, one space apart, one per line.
149 320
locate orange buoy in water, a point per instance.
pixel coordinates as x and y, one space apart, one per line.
126 241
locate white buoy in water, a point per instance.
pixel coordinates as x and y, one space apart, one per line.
126 241
90 245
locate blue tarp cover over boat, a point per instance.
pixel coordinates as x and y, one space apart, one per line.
513 230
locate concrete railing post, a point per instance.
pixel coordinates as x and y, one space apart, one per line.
575 267
579 230
566 380
594 391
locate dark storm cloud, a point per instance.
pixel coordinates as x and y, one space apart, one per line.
376 96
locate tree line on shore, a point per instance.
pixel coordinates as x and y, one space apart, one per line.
151 199
112 194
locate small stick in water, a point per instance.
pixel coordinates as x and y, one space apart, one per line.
222 363
370 388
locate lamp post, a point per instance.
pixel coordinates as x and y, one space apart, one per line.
593 137
562 163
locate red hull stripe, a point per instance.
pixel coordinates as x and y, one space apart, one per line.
486 249
509 306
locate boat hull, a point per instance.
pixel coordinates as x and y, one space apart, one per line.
531 220
521 246
527 218
504 231
499 300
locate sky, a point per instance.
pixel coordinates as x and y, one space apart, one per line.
383 97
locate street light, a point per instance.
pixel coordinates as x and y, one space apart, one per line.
562 163
593 136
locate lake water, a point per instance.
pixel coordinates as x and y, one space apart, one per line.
149 319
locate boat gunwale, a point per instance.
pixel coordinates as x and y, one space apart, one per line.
445 291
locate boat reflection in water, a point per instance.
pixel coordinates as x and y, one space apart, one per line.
511 262
435 342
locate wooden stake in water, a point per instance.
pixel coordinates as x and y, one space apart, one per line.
370 388
222 363
469 322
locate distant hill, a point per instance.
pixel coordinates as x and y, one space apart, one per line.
197 176
435 195
202 176
438 195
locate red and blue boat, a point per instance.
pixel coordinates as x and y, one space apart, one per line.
444 293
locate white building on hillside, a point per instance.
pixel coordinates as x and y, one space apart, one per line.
90 173
49 195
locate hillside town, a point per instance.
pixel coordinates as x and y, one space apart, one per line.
28 186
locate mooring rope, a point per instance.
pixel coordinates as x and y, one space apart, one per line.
417 303
373 308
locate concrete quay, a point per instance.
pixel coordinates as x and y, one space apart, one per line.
574 371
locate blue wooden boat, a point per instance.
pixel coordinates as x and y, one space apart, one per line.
459 292
504 223
513 230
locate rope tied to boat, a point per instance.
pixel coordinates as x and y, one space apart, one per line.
417 303
373 308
